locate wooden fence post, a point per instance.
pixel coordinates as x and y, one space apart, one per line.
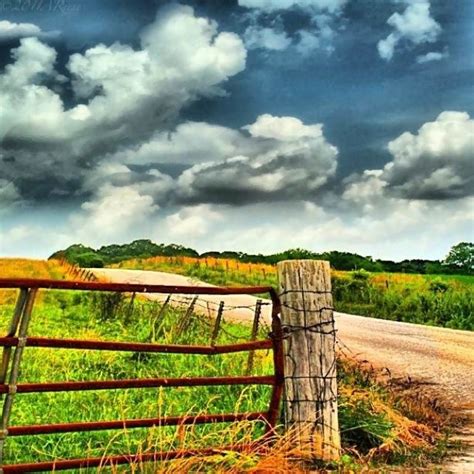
217 324
185 320
253 337
310 404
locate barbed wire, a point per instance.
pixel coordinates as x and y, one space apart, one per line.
303 291
214 306
307 310
200 301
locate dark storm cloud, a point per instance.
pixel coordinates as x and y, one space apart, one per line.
362 101
122 96
274 158
242 180
291 161
437 163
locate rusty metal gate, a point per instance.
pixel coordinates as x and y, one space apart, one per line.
16 339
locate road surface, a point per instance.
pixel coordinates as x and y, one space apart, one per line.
443 359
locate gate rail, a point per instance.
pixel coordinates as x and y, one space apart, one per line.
17 339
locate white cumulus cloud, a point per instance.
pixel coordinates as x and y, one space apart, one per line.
113 213
414 25
285 159
318 34
273 158
283 128
437 163
266 38
123 95
432 56
11 30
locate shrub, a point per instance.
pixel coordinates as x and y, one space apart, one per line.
438 286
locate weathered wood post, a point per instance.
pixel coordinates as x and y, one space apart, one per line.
310 405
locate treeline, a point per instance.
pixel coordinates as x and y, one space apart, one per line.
96 258
88 257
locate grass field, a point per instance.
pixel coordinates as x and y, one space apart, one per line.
377 425
29 268
439 300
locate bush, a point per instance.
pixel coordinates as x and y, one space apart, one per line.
106 306
361 275
89 260
438 286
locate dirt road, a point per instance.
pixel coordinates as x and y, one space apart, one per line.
441 358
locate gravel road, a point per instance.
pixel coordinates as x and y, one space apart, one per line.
443 359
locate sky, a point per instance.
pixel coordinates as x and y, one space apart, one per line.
251 125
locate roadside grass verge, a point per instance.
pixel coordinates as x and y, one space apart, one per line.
28 268
436 300
378 426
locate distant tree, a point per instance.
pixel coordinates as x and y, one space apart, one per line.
75 254
351 261
459 261
462 255
388 265
436 267
90 260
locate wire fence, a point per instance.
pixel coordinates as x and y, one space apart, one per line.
74 271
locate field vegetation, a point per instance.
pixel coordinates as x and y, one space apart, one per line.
30 268
377 424
438 300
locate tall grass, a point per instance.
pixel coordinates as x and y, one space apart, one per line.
217 271
29 268
414 299
78 315
371 425
441 300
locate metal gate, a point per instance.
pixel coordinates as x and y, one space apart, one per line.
16 339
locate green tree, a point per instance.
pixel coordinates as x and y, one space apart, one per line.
462 255
89 260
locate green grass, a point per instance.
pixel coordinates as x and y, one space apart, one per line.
464 279
366 410
436 300
74 320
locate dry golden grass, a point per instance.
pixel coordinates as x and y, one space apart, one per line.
285 453
407 434
30 268
209 262
280 454
418 419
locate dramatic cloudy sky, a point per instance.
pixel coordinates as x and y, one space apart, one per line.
253 125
